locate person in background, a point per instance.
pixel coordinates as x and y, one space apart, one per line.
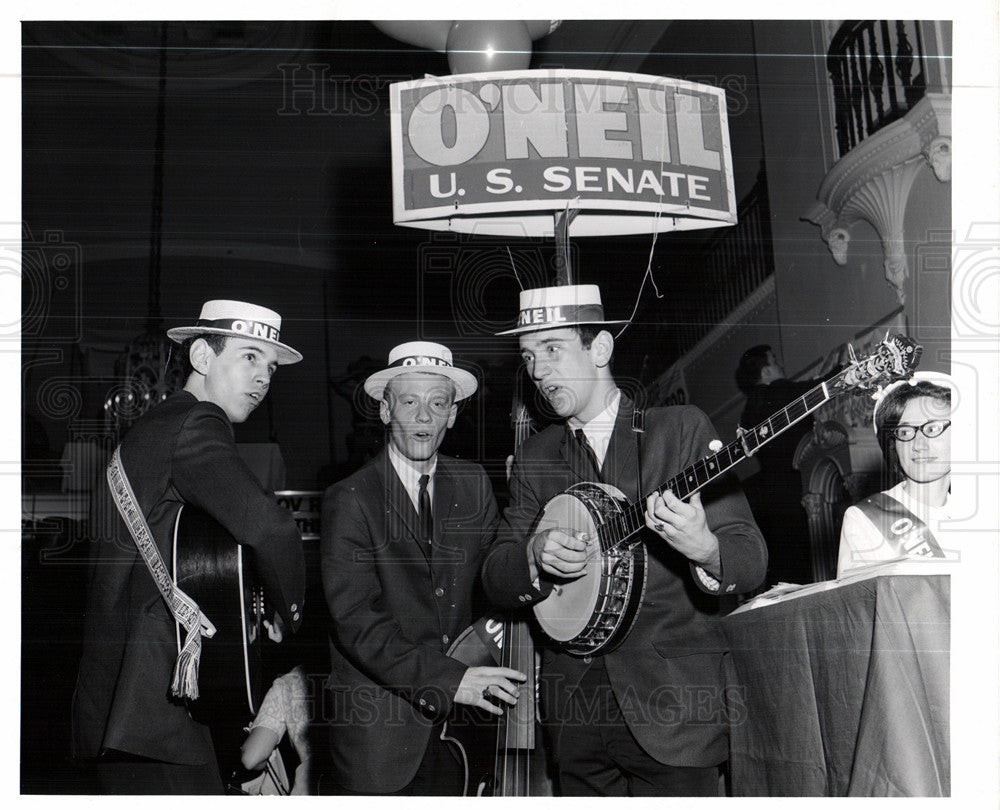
284 710
775 491
912 421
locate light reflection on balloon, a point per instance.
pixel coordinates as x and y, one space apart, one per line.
488 45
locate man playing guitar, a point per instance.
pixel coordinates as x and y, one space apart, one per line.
648 715
130 708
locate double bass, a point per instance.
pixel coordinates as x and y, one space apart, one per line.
505 641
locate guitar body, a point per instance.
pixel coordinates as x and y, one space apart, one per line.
595 612
209 566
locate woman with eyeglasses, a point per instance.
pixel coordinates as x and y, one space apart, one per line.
912 422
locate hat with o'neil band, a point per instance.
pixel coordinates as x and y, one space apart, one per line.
239 319
422 357
557 307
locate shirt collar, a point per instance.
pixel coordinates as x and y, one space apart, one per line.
409 474
599 429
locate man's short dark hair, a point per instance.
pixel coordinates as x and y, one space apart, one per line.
587 332
752 363
216 342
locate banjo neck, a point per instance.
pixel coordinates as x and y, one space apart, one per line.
692 478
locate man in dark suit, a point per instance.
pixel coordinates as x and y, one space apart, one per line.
403 539
650 716
130 707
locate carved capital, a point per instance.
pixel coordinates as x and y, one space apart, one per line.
829 434
837 242
812 502
896 267
873 181
835 232
938 154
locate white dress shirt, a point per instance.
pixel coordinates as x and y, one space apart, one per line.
409 475
599 429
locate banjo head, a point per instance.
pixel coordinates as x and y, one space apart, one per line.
566 612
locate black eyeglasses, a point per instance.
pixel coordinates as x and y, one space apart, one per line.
932 429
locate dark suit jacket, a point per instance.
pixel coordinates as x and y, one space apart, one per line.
395 609
667 674
181 452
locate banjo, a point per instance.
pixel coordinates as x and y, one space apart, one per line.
595 612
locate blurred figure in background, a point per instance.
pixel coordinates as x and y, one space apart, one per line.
775 492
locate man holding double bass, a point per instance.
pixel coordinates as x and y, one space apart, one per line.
403 540
647 717
130 708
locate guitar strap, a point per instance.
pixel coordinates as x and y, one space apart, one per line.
638 428
906 533
184 609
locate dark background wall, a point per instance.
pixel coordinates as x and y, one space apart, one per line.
276 188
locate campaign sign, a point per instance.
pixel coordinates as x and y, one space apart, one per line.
306 507
500 153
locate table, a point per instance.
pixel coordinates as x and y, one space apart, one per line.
844 691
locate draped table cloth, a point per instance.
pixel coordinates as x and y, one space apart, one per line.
843 691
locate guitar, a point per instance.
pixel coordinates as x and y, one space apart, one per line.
595 612
208 564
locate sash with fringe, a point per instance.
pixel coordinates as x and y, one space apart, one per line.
183 608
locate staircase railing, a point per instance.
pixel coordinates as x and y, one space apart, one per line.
878 73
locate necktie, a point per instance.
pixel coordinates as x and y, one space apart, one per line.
426 518
588 450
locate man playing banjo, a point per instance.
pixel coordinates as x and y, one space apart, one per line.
641 710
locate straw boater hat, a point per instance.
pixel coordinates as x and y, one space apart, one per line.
239 319
421 357
943 380
557 307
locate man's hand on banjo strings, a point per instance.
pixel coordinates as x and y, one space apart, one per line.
559 553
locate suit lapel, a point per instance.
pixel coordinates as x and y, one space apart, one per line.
444 498
620 464
398 501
